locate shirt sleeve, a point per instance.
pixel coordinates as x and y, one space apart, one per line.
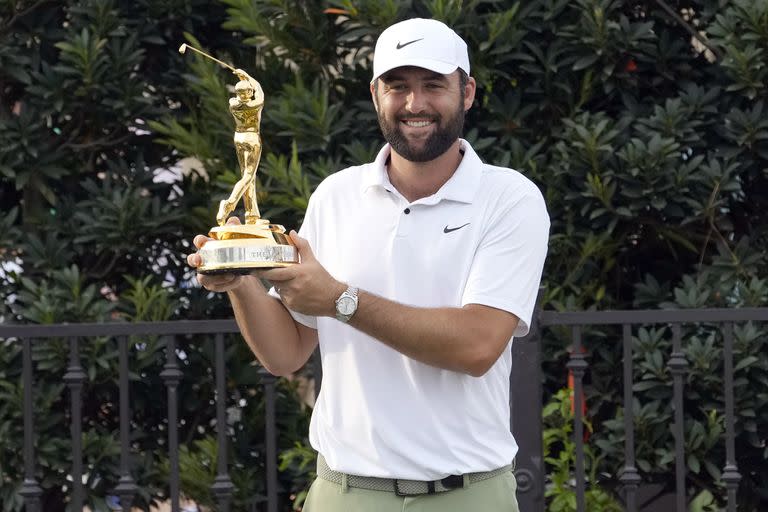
506 270
309 232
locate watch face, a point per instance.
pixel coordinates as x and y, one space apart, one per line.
346 305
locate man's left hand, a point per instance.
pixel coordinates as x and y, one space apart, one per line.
307 287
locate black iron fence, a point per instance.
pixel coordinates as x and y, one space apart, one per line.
75 378
526 402
677 365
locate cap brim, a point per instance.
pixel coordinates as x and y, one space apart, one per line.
444 68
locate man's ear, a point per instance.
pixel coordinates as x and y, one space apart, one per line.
373 96
469 93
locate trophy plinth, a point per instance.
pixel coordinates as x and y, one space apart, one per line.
243 248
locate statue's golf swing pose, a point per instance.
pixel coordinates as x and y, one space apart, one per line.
245 107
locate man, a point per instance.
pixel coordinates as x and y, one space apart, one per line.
416 272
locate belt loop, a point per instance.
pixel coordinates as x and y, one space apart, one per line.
344 483
466 481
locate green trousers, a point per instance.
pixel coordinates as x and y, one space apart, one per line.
495 494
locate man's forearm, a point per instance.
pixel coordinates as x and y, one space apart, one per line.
467 340
268 328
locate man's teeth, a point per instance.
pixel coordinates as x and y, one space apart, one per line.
418 124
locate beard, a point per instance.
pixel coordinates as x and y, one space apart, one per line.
446 132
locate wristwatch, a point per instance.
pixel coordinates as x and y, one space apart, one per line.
346 304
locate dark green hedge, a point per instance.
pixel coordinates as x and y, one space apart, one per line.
650 145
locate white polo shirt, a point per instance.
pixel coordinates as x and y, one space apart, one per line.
481 239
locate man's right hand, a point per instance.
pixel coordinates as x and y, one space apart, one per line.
215 282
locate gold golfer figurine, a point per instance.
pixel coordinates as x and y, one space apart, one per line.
256 244
245 107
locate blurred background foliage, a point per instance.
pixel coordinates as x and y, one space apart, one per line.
644 123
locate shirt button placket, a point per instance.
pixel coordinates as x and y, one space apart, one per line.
403 226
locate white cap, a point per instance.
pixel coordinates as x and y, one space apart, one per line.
428 44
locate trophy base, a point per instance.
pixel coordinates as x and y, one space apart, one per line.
243 248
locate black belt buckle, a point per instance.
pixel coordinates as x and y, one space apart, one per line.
453 481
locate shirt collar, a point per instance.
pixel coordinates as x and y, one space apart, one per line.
375 175
460 187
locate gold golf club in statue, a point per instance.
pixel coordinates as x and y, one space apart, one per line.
241 248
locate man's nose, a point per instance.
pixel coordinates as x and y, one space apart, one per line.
415 101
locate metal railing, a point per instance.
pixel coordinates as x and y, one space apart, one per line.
525 402
75 377
677 366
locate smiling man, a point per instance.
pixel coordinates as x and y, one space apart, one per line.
417 270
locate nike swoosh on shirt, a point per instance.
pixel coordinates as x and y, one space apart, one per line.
403 45
446 229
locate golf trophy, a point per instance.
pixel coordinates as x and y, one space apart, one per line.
256 244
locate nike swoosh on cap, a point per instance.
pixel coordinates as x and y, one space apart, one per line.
446 229
403 45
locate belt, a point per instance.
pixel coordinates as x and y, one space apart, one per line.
405 487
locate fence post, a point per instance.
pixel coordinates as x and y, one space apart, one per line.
126 486
30 489
222 487
525 406
172 376
269 382
75 378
